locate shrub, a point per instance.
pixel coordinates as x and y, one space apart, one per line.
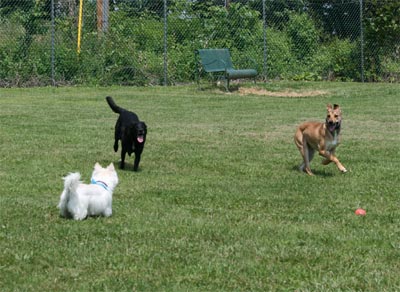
336 61
303 34
391 69
279 57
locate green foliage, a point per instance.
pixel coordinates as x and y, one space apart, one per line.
236 28
243 26
382 23
182 64
303 34
337 60
300 44
391 69
148 34
382 30
279 56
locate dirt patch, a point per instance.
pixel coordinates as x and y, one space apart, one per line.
286 93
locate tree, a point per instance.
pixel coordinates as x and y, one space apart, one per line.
31 15
382 22
338 18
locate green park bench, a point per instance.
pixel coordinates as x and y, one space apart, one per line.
218 63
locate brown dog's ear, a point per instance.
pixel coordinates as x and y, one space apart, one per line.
328 107
337 109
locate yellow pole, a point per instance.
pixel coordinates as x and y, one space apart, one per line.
78 50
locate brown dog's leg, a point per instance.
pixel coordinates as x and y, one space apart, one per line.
326 161
308 154
330 157
298 140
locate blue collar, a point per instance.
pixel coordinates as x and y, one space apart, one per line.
99 183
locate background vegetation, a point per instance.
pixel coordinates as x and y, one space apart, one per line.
303 40
218 205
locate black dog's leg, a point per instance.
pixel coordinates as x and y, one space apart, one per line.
137 160
122 163
117 134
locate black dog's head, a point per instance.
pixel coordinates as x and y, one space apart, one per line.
140 132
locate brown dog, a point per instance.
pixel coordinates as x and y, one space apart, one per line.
321 137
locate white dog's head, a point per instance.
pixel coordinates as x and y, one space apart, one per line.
105 177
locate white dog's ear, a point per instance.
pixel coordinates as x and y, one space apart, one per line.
97 166
111 166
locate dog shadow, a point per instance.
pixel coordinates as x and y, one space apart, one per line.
315 172
128 167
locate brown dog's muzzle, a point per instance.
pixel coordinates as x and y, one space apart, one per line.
333 122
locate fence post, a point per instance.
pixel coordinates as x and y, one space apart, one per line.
102 8
165 45
264 40
53 82
361 42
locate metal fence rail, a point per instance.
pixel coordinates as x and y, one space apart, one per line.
56 42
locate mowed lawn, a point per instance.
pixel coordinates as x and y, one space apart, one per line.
218 203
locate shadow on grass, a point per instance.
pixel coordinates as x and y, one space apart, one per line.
315 172
128 167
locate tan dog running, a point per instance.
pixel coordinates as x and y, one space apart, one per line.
321 137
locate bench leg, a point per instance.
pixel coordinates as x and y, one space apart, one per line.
198 74
227 84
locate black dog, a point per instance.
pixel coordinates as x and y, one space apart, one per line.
130 131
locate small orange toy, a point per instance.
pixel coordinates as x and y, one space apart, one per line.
360 212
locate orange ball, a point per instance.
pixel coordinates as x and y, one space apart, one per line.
360 212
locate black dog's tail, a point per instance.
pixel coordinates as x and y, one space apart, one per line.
113 106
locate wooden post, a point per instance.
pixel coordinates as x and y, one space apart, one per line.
99 16
102 15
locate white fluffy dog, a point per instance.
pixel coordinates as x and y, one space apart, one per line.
80 200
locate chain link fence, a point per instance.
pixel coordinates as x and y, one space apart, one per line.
152 42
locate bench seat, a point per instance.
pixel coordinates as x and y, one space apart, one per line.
241 73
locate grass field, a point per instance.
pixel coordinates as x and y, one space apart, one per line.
218 205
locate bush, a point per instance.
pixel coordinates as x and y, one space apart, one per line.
279 57
182 64
391 69
303 34
336 60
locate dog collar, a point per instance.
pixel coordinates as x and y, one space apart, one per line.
99 183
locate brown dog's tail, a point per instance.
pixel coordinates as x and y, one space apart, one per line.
113 106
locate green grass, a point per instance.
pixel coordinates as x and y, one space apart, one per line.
218 205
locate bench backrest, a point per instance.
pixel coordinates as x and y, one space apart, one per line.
215 60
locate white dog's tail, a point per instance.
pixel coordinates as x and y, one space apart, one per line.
71 183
